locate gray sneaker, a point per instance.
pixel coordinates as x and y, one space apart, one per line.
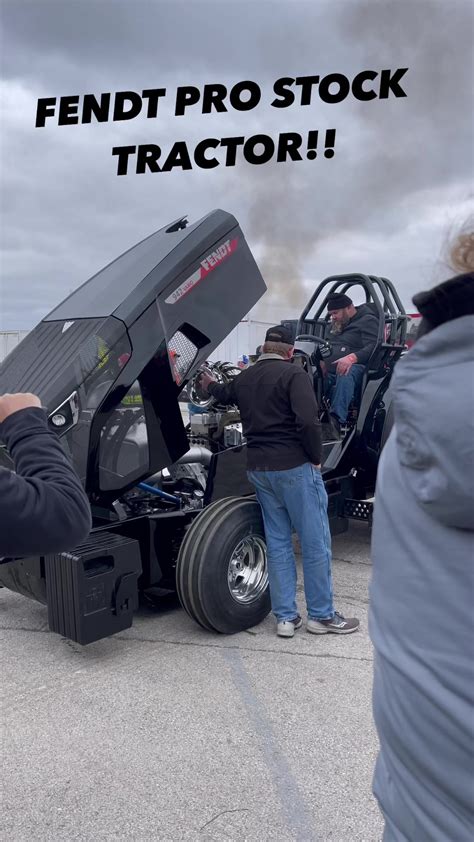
337 625
286 628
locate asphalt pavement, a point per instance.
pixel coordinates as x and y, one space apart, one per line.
169 732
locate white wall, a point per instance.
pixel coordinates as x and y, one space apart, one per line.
9 339
244 339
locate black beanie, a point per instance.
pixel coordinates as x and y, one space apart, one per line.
447 301
337 301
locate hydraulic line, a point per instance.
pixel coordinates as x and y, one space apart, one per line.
163 494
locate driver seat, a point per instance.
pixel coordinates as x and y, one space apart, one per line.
376 367
373 369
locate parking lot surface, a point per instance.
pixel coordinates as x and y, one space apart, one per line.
169 732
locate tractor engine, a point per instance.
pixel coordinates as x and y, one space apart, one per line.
212 425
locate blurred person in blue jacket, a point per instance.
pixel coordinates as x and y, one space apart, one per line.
422 590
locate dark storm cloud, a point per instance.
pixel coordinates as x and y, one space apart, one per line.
65 213
391 150
162 38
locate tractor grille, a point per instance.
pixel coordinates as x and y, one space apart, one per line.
184 349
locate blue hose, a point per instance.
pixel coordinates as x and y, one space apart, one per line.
152 490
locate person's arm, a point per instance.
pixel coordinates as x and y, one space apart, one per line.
304 405
43 507
223 392
369 326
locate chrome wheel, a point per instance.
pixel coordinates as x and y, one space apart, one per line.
221 570
247 575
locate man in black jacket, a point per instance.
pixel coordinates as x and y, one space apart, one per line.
280 422
43 507
353 336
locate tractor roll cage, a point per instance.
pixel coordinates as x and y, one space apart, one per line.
380 295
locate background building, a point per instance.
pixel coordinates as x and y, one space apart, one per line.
9 339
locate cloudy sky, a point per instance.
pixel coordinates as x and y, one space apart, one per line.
398 186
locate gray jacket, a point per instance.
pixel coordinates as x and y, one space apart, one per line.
422 594
359 336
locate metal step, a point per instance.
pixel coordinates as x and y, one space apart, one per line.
359 510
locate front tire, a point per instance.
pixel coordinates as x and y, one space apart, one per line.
221 571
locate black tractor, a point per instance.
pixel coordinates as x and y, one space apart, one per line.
116 365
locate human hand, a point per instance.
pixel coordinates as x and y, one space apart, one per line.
13 403
345 364
204 381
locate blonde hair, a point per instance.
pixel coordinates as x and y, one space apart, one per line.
461 254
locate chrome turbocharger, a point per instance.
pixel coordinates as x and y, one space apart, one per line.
221 372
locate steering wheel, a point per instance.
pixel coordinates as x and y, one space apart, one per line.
323 348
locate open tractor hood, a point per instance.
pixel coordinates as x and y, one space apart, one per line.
110 361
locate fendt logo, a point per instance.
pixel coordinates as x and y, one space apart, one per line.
207 265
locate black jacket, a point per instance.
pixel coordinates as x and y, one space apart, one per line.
43 507
279 414
359 336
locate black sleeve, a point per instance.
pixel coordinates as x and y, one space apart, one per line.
304 405
223 392
43 507
369 328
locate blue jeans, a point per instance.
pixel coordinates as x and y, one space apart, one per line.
341 388
296 498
